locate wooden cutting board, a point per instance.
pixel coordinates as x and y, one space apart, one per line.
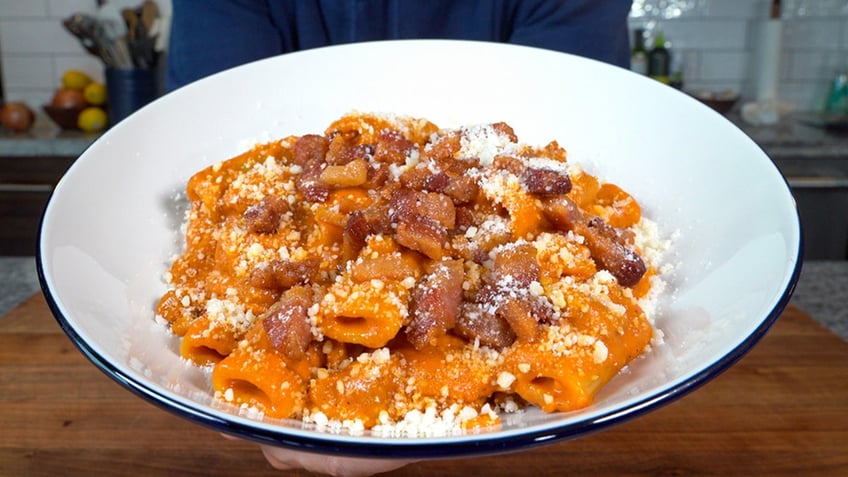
781 411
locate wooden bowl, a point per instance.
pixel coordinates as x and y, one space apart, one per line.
66 118
721 101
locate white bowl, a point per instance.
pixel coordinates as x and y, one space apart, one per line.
113 222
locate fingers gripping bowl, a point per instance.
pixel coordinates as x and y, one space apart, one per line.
113 224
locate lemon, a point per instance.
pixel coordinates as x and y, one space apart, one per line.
75 79
92 119
95 93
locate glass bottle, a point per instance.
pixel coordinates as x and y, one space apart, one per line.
676 71
659 60
837 100
638 54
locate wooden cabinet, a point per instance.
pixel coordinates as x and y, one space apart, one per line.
820 188
25 185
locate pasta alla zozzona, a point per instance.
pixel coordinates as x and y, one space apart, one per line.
388 268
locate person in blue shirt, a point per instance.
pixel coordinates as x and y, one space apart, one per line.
210 36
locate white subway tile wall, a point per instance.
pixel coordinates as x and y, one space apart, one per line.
712 40
715 41
35 49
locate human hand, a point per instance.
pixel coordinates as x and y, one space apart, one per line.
287 459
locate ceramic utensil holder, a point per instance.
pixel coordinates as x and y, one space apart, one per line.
129 90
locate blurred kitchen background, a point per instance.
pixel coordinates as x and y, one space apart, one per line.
711 40
778 69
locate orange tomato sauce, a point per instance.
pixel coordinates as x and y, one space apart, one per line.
387 267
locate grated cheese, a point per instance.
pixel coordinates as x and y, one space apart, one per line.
432 415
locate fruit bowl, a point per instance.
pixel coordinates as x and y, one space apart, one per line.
721 101
65 118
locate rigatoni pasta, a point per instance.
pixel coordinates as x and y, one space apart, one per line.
388 268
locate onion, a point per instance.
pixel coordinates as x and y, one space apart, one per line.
68 98
16 116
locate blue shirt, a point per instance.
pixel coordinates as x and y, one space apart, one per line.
210 36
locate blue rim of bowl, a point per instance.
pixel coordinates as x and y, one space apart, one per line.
409 448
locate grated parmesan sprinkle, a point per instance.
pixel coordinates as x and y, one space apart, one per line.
569 284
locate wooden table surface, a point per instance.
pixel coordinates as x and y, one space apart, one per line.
781 410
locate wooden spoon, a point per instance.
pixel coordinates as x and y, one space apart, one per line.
149 12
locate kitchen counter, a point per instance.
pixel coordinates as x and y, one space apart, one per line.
820 292
791 137
44 139
794 137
